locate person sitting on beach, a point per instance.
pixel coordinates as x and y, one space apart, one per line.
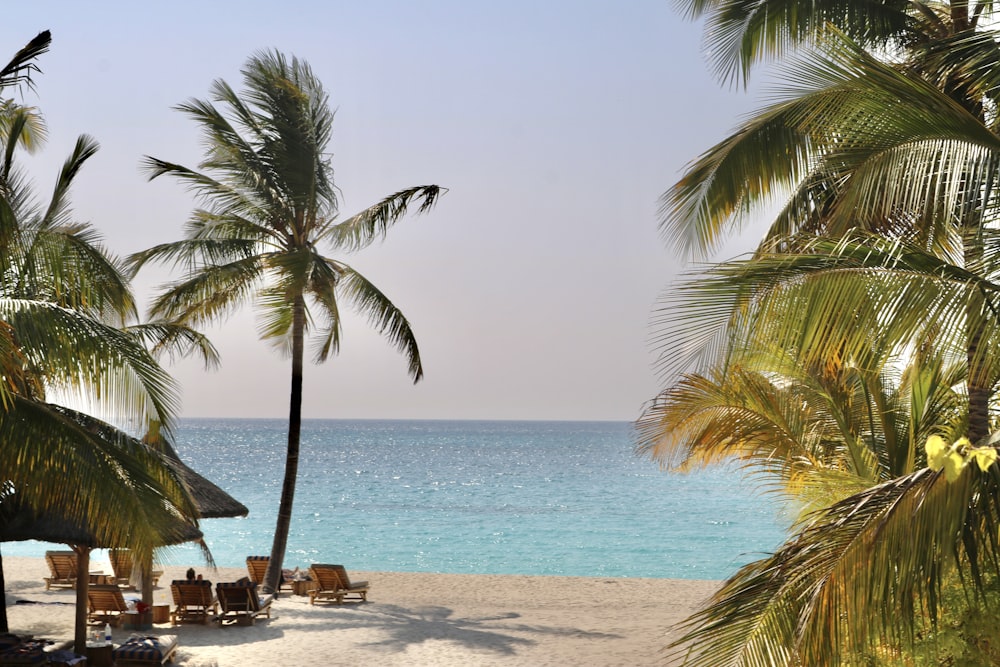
190 574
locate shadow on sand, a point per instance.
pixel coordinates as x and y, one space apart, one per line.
402 627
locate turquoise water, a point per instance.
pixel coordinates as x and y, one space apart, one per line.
486 497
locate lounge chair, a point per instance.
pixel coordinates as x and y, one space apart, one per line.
62 567
194 601
332 583
239 602
145 651
105 604
257 568
122 564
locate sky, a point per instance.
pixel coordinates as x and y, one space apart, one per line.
555 126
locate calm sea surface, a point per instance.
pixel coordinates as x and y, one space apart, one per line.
486 497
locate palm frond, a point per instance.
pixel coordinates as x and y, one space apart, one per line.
212 292
858 575
20 68
102 474
70 352
383 315
834 292
362 229
843 114
176 341
323 288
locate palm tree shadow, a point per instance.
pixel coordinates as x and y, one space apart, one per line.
407 627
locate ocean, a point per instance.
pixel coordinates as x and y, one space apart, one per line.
478 497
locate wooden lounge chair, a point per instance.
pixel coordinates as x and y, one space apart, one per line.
257 568
194 601
62 567
138 651
122 564
240 603
332 583
105 604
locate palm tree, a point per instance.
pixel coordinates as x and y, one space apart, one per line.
63 305
271 204
888 238
949 47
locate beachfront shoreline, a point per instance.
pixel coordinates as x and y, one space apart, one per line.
410 619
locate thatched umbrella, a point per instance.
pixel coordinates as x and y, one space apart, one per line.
19 523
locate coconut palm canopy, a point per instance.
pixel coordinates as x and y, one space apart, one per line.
270 212
882 142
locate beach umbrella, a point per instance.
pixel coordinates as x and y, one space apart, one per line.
19 522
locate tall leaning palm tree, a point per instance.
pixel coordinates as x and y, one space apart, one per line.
270 207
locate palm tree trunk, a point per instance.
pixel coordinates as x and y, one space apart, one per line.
273 574
3 607
979 384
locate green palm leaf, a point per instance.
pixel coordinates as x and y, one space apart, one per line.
826 590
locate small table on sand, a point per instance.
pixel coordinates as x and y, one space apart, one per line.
302 586
99 655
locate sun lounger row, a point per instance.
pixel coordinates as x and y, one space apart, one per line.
237 602
63 569
195 601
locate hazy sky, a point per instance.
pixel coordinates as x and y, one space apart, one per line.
554 125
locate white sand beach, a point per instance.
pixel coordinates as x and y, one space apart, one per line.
410 619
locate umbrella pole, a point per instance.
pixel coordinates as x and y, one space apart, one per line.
82 584
146 585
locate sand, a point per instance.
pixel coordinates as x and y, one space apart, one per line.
410 619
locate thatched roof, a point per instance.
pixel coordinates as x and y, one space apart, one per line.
20 523
212 502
